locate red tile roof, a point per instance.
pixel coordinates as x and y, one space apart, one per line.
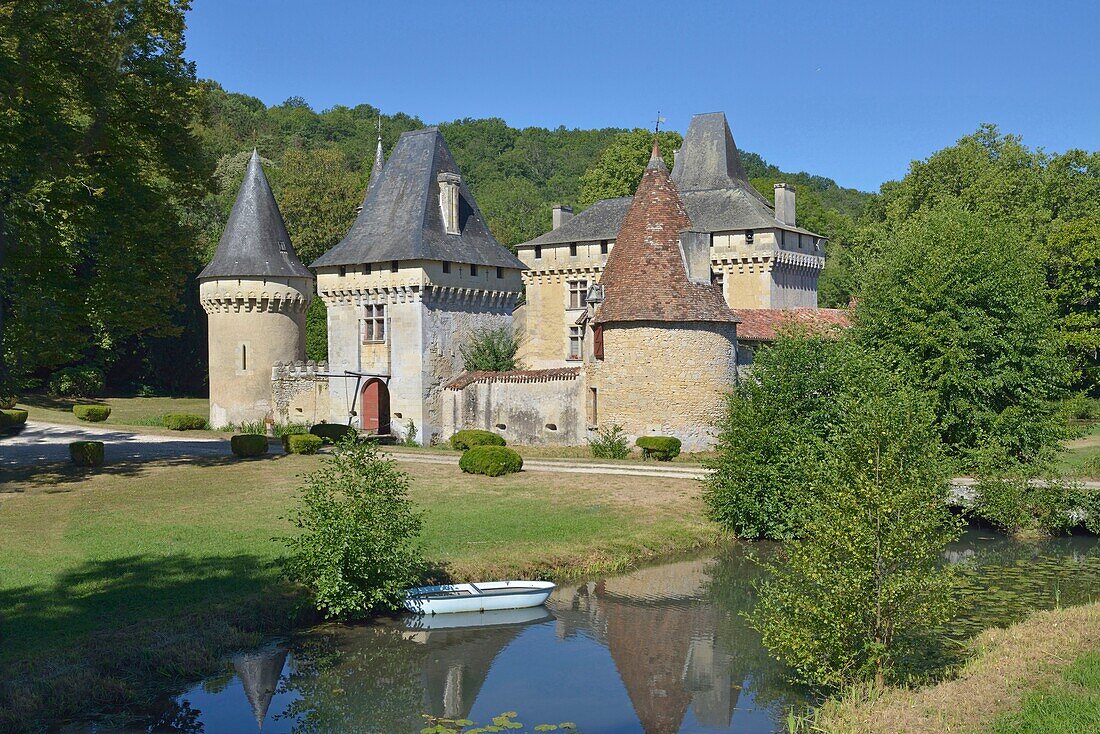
763 324
645 278
558 373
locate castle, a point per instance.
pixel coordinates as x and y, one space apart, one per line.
638 311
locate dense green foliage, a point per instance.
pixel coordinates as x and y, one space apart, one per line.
12 418
661 448
972 326
184 422
862 585
490 350
76 382
618 170
471 437
610 442
1022 504
86 453
92 413
333 432
355 551
302 443
248 444
490 460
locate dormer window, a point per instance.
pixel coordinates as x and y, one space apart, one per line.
449 201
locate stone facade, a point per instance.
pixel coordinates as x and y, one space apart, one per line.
300 392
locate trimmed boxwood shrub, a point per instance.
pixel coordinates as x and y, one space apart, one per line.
492 461
332 432
472 437
184 422
302 443
10 419
661 448
76 382
248 444
86 453
92 413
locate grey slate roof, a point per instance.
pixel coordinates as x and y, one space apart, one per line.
401 217
254 242
712 184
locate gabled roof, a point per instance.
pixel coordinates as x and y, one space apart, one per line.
401 217
765 324
645 278
254 242
712 185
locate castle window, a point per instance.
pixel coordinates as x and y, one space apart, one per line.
374 323
343 270
393 266
748 236
538 252
446 266
473 270
500 272
717 277
597 342
576 343
573 249
603 247
592 406
244 357
366 268
578 293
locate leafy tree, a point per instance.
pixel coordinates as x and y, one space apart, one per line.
863 586
356 550
958 302
618 171
1073 271
490 350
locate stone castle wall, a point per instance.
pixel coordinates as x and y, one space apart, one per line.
300 392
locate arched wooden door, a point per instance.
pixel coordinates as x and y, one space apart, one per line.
375 408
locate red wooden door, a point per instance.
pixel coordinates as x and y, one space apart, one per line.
375 413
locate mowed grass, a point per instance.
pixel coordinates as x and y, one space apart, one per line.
1073 706
144 412
82 553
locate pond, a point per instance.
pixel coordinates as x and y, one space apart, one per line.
663 649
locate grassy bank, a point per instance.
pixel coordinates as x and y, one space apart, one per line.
127 580
143 414
1041 675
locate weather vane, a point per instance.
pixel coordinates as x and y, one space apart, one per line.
657 127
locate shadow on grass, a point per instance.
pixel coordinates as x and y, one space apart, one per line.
116 635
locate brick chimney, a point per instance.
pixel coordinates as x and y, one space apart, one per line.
562 214
784 204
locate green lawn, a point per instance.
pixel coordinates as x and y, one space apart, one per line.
142 412
1072 706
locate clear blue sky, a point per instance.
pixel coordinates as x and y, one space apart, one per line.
850 90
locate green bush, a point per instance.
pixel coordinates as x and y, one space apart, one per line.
248 444
492 461
490 350
356 550
610 443
184 422
472 437
76 382
281 429
86 453
1018 504
92 413
333 432
661 448
12 419
302 443
409 439
1082 407
7 402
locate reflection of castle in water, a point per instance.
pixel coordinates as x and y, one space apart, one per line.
663 639
259 672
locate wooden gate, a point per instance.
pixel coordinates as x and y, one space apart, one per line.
375 412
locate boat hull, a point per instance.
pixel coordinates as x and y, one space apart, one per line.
483 597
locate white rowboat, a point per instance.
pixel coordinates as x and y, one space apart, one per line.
479 597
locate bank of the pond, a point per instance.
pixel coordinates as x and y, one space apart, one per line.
118 583
1002 688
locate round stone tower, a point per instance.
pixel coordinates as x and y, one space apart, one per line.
255 293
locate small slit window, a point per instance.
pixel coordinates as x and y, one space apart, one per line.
500 272
244 357
538 252
473 270
343 270
366 268
603 247
573 250
393 266
446 266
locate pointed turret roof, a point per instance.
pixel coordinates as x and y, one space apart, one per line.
260 673
254 242
379 164
709 158
646 278
402 220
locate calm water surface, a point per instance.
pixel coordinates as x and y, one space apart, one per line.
661 650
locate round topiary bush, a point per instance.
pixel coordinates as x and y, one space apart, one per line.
76 382
302 443
473 437
492 461
661 448
12 420
332 432
246 445
92 413
184 422
86 453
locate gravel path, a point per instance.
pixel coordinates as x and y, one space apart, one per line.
45 443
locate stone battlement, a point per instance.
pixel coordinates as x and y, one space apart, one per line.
299 370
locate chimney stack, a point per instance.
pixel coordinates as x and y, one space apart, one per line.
562 214
695 249
784 204
448 201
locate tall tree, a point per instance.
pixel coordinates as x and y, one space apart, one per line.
618 171
1073 270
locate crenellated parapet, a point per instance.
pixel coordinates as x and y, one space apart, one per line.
393 295
247 295
299 370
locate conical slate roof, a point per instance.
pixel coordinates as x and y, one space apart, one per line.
255 242
645 278
709 158
260 673
401 217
